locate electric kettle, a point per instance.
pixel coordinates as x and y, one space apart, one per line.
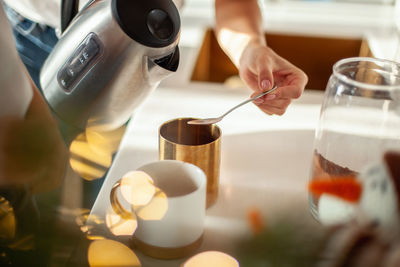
109 58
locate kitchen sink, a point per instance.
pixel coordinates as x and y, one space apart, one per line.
315 55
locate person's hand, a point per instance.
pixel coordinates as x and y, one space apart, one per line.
260 68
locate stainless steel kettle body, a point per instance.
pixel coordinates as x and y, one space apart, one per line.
109 59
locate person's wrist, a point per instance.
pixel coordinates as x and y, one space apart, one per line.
255 44
257 40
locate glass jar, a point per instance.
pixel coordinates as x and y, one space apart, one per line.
359 121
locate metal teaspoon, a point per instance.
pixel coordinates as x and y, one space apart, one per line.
215 120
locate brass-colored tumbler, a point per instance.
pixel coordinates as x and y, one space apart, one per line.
196 144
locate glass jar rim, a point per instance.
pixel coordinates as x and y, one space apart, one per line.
344 78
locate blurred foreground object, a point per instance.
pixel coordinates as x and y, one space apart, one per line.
371 238
31 150
376 200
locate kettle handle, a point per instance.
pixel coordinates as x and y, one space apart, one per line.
69 8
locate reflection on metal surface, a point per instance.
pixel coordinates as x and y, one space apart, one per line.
7 220
196 144
137 188
120 226
211 259
109 253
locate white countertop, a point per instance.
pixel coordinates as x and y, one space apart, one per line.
265 160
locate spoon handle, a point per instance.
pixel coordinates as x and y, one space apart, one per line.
250 99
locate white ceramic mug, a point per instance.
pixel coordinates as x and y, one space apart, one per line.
170 216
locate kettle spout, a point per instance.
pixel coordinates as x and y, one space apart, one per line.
161 68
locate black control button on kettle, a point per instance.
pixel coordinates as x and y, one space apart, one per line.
152 23
160 24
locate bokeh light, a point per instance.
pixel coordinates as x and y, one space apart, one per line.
109 253
88 223
211 259
82 216
89 164
7 220
105 142
155 209
137 188
145 200
120 226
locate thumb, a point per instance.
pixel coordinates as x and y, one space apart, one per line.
265 77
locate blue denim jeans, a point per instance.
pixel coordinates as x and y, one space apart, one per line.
34 42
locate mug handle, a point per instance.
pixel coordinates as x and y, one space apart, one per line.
116 205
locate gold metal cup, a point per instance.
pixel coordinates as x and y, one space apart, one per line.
196 144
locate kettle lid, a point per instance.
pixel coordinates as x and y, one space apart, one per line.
153 23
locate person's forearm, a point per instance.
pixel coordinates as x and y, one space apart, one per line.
15 88
238 22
